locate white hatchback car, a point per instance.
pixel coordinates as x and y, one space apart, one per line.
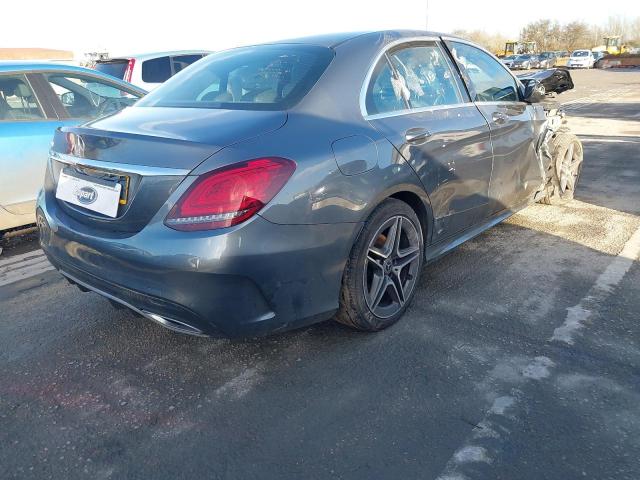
149 70
581 59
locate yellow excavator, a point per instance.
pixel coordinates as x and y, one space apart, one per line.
613 45
516 48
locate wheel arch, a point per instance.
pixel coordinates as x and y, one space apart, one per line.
416 198
418 205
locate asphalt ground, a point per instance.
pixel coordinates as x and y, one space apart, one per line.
519 358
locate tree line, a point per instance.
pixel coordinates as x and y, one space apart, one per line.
551 35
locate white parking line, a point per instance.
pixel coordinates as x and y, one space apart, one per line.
487 439
26 265
579 314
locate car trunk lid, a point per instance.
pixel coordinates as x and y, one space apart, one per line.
149 151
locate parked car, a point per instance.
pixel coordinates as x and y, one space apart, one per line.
35 99
581 59
508 60
547 60
151 69
274 186
597 56
525 62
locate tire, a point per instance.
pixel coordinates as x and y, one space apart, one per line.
376 287
564 170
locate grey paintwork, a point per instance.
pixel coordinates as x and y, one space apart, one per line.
283 267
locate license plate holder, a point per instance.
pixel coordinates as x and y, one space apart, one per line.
95 194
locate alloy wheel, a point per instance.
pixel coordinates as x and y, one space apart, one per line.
568 168
392 266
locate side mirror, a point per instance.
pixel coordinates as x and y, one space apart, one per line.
534 91
67 99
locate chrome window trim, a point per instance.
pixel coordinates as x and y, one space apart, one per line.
411 111
502 102
122 168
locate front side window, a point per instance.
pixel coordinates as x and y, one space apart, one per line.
487 78
412 77
264 77
17 101
88 97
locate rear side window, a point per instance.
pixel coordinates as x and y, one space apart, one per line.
115 68
157 70
412 77
17 101
487 78
263 77
183 61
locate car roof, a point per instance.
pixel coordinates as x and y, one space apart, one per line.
335 39
28 65
152 55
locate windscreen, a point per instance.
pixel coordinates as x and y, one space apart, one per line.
580 53
263 77
115 68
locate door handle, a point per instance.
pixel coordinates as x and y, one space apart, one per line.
499 118
417 136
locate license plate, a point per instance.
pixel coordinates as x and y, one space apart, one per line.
99 197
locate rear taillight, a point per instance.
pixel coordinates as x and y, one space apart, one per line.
128 73
230 195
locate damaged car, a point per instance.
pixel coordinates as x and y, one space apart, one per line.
274 186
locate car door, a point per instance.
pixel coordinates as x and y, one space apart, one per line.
496 93
27 123
415 98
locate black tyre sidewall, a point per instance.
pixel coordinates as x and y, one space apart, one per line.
354 310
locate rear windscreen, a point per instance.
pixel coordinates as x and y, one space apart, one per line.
263 77
115 68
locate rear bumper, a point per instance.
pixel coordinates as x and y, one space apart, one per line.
249 280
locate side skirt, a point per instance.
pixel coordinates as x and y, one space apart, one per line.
435 251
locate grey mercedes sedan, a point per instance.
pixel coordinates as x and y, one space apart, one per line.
269 187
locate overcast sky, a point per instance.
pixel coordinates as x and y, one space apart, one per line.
151 25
